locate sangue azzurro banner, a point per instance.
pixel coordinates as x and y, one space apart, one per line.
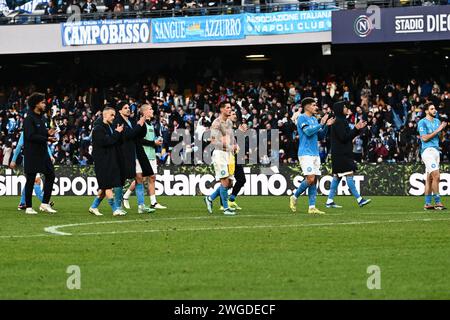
209 28
105 32
287 22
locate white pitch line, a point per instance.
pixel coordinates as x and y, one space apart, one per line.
54 229
26 236
325 224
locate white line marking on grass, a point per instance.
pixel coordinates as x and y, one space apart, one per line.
25 236
54 229
325 224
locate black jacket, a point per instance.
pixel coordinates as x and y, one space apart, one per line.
128 149
105 155
342 142
35 152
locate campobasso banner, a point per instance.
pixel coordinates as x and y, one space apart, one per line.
206 28
105 32
287 22
391 24
381 179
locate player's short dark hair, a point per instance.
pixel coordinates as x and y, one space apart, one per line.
307 101
120 105
34 99
223 104
427 106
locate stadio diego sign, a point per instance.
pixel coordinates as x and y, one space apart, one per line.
381 179
391 24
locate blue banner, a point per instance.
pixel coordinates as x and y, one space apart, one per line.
105 32
287 22
208 28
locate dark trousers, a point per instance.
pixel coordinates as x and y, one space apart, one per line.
48 186
240 179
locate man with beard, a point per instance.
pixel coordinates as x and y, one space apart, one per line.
149 143
429 129
36 138
133 161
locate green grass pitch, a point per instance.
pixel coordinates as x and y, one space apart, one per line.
265 252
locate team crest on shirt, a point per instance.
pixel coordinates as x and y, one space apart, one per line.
433 165
223 172
309 169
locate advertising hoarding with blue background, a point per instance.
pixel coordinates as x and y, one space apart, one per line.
287 22
391 25
188 29
94 32
208 28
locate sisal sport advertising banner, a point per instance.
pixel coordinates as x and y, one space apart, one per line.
391 24
371 179
95 32
208 28
287 22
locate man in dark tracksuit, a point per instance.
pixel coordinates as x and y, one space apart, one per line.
342 161
36 138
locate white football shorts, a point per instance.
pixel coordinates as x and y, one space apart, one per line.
310 165
220 160
431 159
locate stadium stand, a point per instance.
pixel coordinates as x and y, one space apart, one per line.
57 11
392 110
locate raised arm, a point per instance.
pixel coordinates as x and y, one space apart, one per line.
343 132
424 136
309 129
322 132
135 132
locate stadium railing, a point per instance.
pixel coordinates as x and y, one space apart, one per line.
18 17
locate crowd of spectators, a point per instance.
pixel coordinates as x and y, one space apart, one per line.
56 11
118 6
392 110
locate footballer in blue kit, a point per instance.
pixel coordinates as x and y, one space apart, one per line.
429 129
310 132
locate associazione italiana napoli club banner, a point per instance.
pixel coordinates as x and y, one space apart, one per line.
186 29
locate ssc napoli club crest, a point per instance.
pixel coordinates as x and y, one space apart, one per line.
363 26
223 172
309 169
433 165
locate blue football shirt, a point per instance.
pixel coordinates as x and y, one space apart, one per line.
426 126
